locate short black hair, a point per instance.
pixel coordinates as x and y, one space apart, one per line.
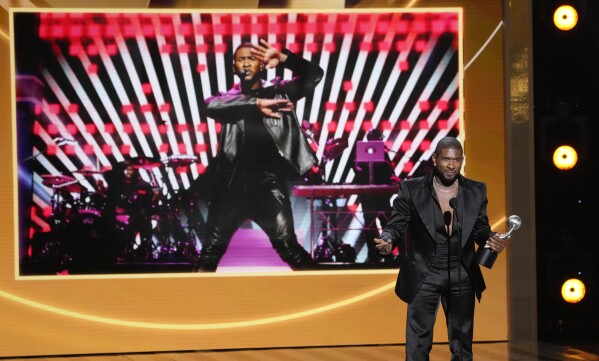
448 142
245 44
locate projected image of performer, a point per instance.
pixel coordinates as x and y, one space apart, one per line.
444 214
260 142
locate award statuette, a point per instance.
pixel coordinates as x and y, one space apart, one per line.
485 256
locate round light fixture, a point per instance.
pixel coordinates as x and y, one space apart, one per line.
565 157
573 290
565 17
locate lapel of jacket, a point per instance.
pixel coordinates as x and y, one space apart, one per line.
467 209
425 204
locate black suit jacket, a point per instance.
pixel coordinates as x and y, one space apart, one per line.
412 228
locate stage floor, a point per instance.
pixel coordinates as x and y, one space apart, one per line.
499 351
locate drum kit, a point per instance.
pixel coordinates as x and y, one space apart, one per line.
90 227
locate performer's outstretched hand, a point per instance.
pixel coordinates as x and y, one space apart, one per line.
274 107
267 54
383 247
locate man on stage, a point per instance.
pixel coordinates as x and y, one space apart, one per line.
259 143
436 256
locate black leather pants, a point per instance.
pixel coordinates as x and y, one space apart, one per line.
457 300
265 200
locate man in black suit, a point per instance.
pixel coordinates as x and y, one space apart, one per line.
436 257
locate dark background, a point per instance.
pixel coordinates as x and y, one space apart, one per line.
566 111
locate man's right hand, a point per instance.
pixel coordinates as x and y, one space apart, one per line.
272 108
383 247
268 54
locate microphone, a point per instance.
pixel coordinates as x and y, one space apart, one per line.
447 220
62 141
453 203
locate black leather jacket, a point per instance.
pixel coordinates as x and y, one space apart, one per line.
232 108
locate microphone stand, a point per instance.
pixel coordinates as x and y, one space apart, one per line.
453 203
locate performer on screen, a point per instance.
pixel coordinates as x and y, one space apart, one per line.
259 143
434 264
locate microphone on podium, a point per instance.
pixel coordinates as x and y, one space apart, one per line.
447 218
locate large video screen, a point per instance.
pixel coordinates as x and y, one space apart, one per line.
122 158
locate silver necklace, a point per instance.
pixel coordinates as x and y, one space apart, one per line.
442 188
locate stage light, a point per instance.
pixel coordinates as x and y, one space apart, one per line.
573 290
565 157
565 17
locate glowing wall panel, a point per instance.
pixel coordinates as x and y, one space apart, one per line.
126 313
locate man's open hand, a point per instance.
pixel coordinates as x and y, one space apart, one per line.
273 108
268 54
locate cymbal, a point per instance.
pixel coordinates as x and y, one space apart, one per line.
71 188
54 180
181 160
334 148
144 163
87 172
